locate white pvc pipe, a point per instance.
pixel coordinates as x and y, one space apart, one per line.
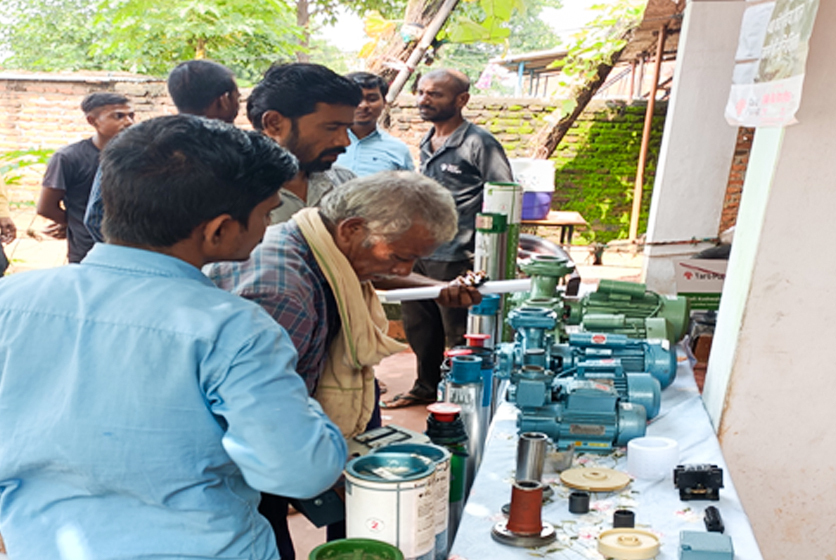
432 292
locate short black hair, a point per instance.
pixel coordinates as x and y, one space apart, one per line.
459 80
294 90
367 80
164 177
99 99
195 84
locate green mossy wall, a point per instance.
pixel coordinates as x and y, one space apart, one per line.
595 162
596 166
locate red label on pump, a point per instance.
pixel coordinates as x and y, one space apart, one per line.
599 338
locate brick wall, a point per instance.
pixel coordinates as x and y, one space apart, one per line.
42 111
595 162
737 173
512 121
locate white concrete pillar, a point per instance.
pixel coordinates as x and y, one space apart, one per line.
698 144
771 382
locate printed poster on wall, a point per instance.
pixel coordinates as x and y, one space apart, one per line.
770 61
701 281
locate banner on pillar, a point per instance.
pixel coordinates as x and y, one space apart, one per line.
770 61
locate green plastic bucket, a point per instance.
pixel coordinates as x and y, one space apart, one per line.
356 549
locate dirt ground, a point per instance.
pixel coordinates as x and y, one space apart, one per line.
32 249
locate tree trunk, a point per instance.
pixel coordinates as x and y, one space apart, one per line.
303 19
392 52
200 48
547 139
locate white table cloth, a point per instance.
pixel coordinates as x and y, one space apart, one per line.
656 504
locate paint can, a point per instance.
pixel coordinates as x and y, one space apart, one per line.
388 497
440 487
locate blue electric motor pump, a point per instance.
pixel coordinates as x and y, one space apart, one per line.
613 359
654 357
587 414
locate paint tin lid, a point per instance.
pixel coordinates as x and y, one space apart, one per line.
434 453
390 467
444 411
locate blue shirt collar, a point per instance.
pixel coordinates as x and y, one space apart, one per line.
353 137
106 255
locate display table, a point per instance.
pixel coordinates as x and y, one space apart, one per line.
566 221
656 504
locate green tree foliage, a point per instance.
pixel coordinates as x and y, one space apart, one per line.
600 40
326 12
465 47
151 36
47 34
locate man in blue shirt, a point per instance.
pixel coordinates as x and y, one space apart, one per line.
163 405
373 149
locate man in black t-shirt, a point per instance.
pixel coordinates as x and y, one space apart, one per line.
462 157
69 174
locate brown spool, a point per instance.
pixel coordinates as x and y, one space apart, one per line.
524 518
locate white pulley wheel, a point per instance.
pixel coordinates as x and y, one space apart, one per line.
595 479
628 544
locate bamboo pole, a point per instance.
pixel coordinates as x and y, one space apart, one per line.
421 49
648 121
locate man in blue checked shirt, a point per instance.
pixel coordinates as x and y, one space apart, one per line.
369 230
163 405
373 149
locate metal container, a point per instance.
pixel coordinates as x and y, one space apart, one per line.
464 387
490 244
531 456
481 318
506 198
440 486
445 428
388 497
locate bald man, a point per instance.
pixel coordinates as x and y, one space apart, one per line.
462 157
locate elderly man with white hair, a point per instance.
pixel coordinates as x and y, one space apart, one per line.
314 275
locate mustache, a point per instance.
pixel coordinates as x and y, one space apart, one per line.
332 151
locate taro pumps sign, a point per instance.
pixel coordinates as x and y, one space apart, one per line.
701 281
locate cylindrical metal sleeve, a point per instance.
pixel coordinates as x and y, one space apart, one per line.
526 507
531 455
623 518
579 502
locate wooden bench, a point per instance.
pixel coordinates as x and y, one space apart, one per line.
566 221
